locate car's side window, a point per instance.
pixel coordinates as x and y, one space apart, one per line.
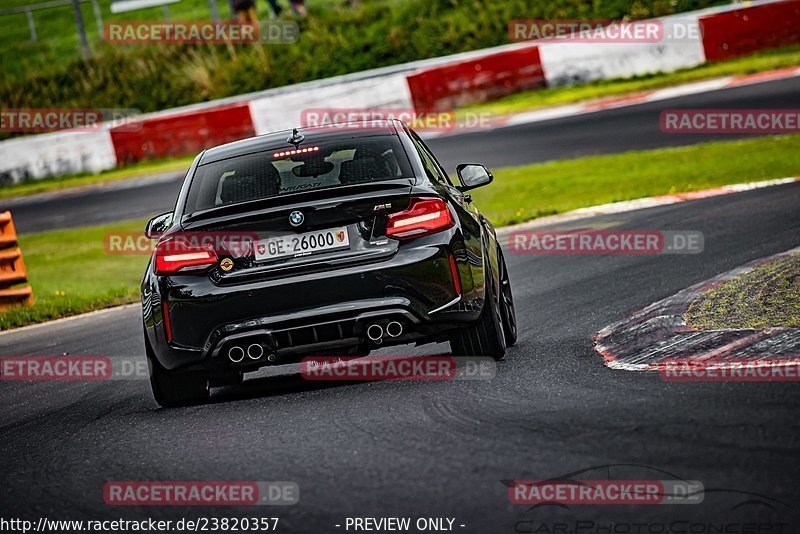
435 171
430 168
442 172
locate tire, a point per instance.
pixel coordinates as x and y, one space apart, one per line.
176 389
507 310
486 337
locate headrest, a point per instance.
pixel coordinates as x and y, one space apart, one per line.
312 167
244 186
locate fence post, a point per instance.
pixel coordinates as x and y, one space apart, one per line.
214 10
76 4
31 25
98 17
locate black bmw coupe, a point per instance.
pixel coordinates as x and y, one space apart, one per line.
330 240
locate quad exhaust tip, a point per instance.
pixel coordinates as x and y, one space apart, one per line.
375 332
236 354
394 329
255 351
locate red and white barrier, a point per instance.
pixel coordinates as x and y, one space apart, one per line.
439 83
179 134
688 40
576 63
284 110
742 31
55 154
476 80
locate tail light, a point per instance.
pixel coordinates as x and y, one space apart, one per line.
177 256
424 216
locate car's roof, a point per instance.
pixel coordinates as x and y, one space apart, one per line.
314 134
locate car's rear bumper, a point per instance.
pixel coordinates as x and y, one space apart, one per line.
303 315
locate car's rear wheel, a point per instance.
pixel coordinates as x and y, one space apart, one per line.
176 389
507 310
486 337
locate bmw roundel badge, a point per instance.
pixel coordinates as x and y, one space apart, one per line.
296 218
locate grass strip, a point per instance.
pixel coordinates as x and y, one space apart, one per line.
522 193
759 62
767 296
71 272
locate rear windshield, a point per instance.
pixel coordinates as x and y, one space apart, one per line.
310 166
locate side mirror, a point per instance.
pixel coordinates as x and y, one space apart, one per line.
473 175
158 225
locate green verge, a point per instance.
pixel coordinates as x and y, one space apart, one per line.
137 170
95 279
759 62
767 296
58 39
71 273
522 193
336 38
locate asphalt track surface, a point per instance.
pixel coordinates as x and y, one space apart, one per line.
603 132
442 449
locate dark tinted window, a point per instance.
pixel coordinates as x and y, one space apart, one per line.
290 169
432 166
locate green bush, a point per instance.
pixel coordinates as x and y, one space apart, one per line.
335 40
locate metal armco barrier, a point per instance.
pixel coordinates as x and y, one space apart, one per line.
12 269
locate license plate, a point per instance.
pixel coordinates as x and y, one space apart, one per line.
294 245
